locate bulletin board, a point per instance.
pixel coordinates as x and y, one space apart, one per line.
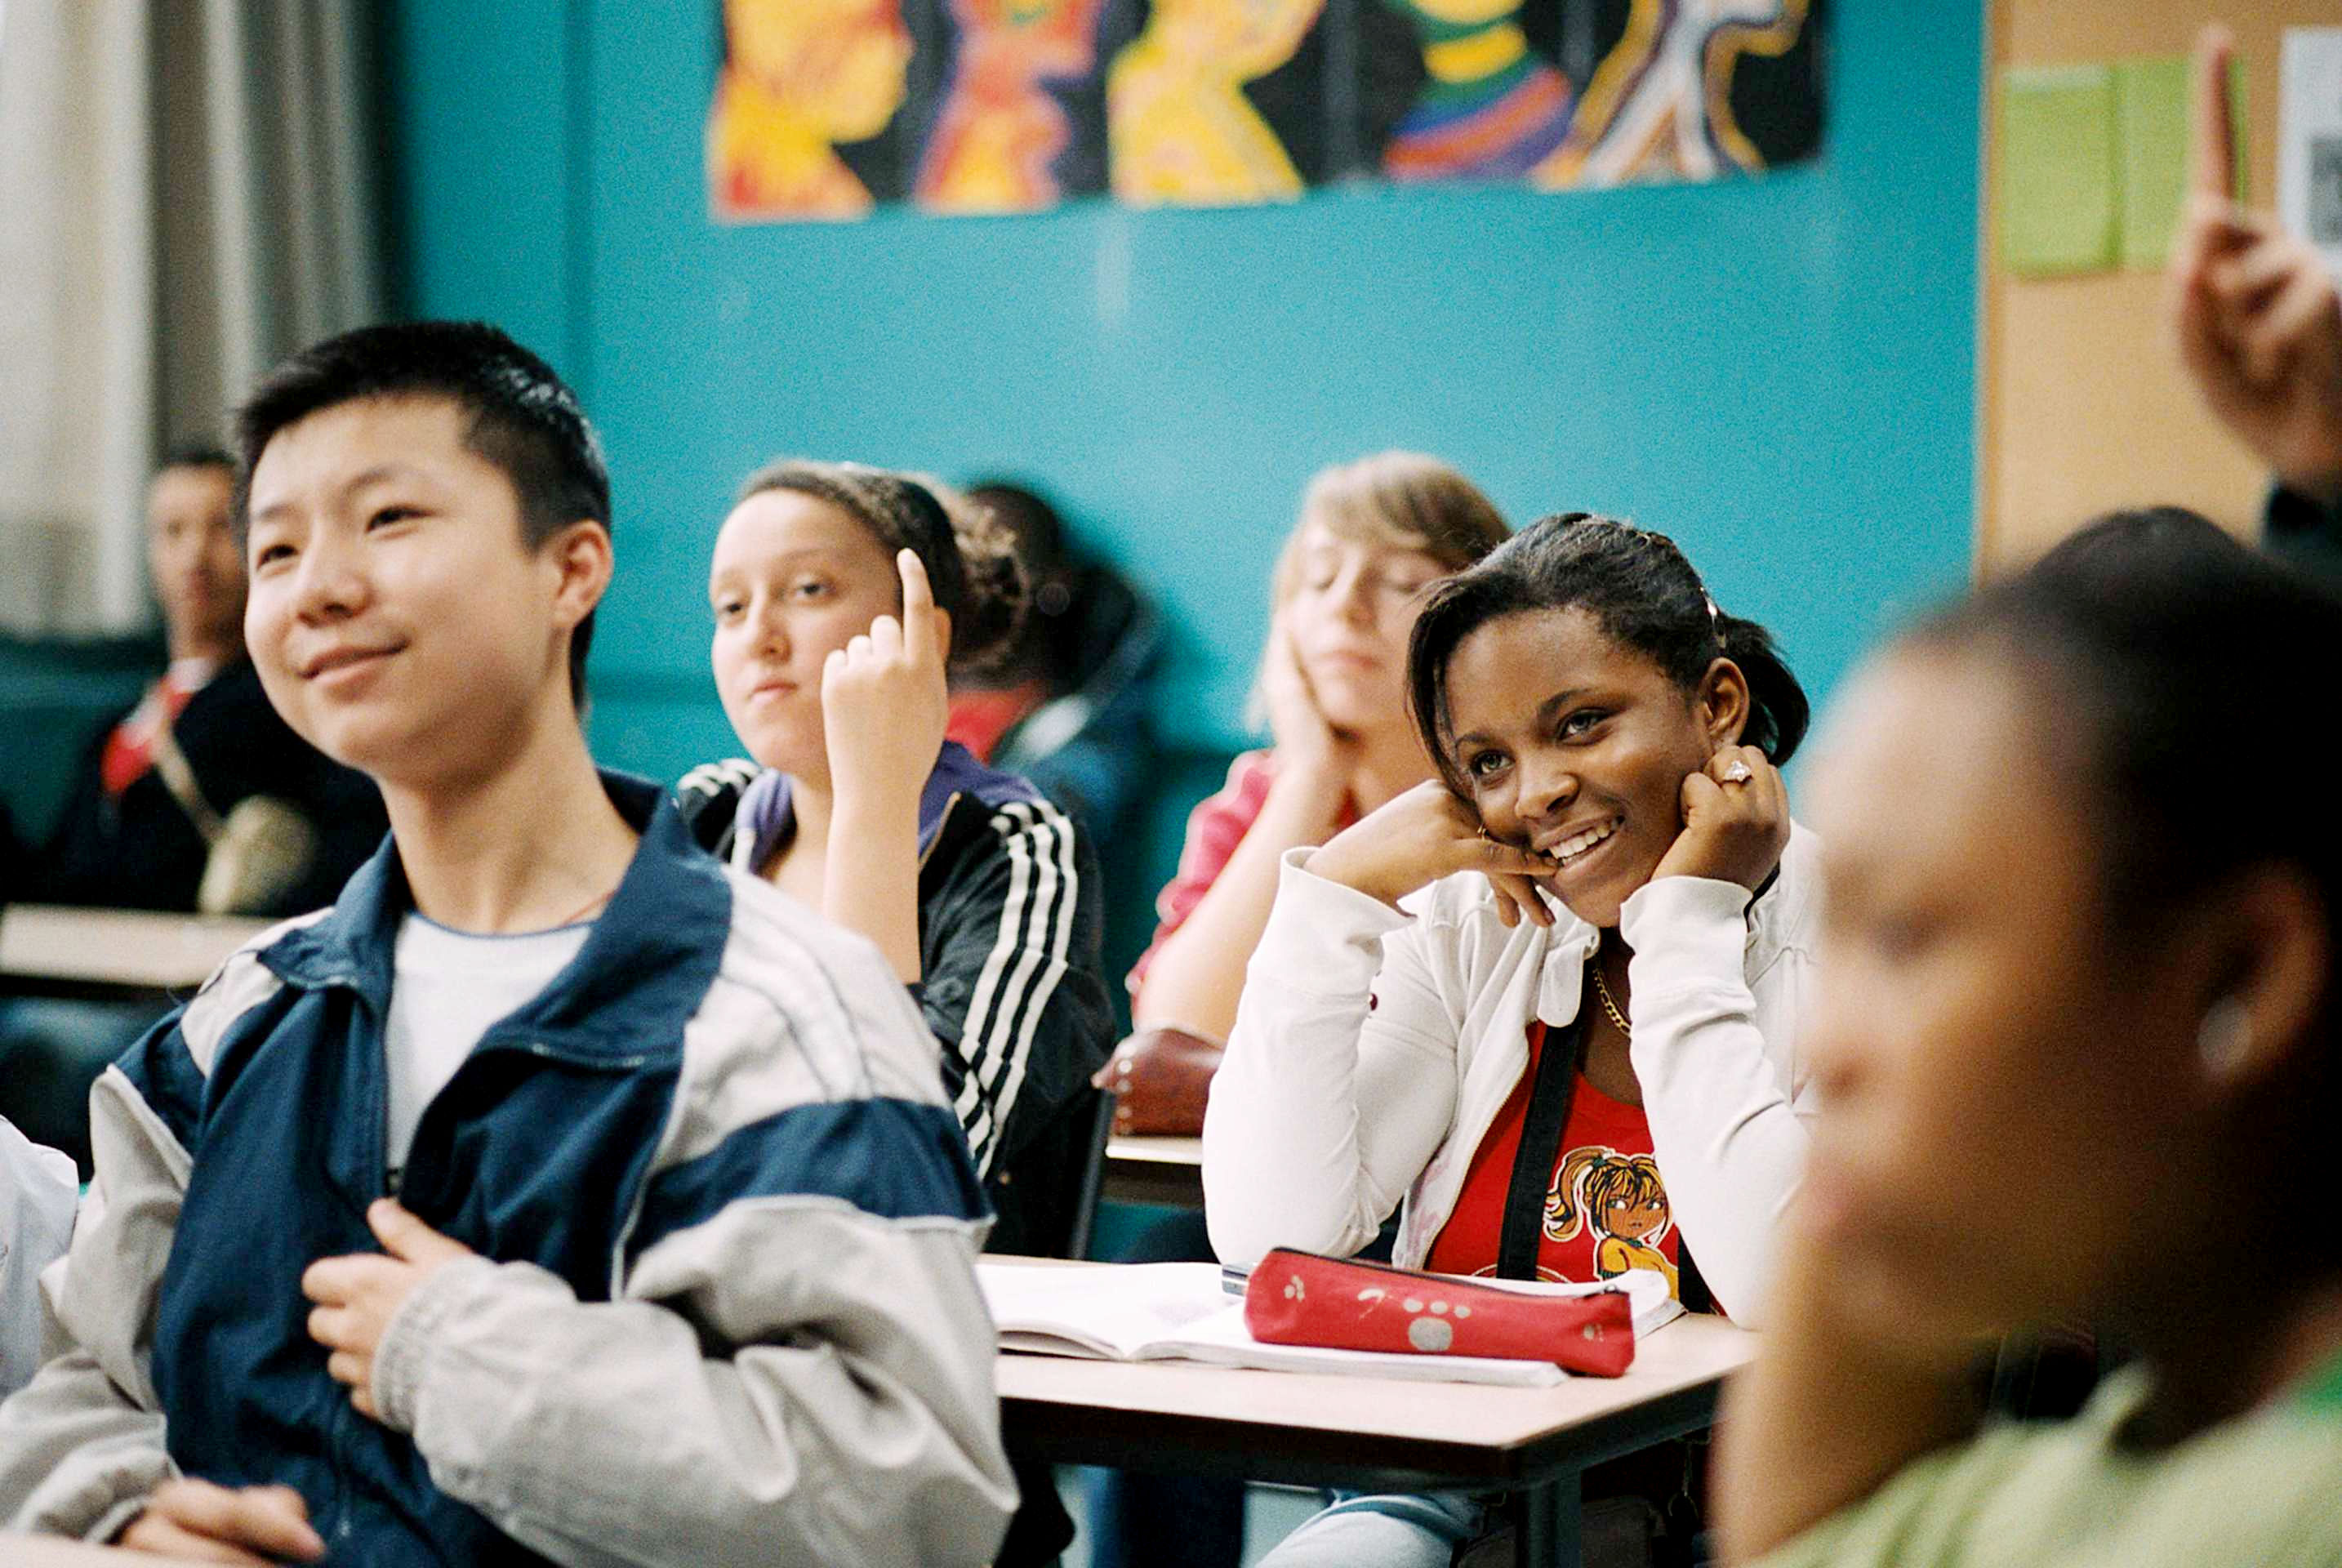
2084 406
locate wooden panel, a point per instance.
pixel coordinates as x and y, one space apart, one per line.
2084 407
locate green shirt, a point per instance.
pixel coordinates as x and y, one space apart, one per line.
2264 1489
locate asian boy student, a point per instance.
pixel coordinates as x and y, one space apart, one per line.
557 1194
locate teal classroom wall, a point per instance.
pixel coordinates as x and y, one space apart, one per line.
1780 372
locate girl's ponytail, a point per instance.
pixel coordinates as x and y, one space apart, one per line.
1779 711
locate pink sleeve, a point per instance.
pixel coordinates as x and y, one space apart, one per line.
1214 828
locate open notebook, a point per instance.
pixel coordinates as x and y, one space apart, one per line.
1179 1312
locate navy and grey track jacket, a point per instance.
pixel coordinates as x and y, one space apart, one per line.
725 1308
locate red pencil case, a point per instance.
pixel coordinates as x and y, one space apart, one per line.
1302 1298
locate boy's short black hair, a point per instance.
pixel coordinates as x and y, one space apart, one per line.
523 418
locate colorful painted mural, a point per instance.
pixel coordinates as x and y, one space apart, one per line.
1000 132
824 108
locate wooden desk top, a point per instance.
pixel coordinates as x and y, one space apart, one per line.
1323 1430
1166 1172
130 949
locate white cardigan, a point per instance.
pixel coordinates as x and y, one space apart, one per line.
1372 1049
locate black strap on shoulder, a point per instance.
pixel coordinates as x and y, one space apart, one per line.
1541 1129
1690 1289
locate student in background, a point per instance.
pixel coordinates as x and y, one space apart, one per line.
1066 704
127 839
1580 952
38 1190
201 757
842 594
2259 328
1373 537
2074 1043
557 1194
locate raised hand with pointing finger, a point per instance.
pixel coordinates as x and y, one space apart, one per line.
2253 308
884 701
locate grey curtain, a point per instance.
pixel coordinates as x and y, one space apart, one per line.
201 198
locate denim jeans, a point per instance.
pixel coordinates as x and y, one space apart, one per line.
1383 1531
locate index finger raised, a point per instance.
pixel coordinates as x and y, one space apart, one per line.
918 604
2213 148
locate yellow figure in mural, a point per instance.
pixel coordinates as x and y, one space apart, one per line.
1618 1197
1179 130
801 76
1000 130
1660 104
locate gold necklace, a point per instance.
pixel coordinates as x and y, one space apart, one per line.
1602 994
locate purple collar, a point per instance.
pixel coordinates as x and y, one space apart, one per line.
766 810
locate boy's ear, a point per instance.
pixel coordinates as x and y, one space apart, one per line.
581 557
1724 703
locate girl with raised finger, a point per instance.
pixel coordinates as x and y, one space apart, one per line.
1578 956
842 594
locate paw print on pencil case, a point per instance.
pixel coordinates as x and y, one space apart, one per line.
1428 1328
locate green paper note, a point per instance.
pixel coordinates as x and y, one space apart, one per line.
2152 126
2058 169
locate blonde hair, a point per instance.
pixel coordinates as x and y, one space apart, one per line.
1402 499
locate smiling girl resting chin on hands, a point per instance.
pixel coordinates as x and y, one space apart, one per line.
1600 908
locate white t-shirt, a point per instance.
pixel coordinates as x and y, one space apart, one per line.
449 989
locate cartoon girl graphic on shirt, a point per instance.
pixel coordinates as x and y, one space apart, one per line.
1621 1199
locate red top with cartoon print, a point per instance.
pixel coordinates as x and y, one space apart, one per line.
1605 1209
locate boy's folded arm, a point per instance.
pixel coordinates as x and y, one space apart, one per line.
77 1456
82 1446
795 1380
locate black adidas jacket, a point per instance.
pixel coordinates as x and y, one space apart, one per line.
1012 983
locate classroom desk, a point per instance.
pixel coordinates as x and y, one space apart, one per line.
1376 1433
55 951
1164 1171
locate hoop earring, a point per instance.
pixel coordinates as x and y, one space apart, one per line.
2225 1037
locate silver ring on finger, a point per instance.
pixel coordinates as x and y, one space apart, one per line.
1738 772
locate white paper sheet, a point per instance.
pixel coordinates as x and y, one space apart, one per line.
2309 138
